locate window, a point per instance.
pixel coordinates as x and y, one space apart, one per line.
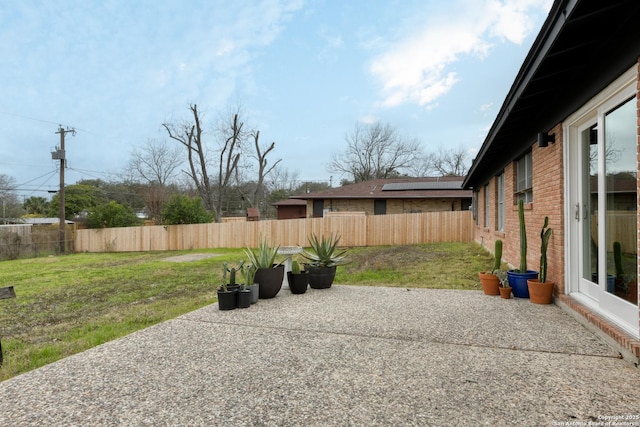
500 202
524 188
486 205
379 207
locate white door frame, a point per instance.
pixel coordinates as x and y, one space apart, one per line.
620 312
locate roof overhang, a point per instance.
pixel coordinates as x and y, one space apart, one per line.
582 47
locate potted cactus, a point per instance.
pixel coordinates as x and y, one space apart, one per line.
298 279
488 279
541 290
518 278
228 291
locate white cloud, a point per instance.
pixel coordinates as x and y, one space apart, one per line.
417 68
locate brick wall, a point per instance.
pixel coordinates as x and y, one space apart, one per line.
394 206
548 200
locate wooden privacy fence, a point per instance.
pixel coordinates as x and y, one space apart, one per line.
400 229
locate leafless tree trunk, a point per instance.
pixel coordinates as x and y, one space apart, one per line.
230 151
258 194
189 134
375 151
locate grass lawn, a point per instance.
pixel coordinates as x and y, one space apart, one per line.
71 303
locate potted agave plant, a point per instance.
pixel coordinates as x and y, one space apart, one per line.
268 274
541 290
518 278
298 279
323 258
488 279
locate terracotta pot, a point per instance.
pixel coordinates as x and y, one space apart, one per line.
490 283
505 292
540 293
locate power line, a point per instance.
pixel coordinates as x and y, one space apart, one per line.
6 113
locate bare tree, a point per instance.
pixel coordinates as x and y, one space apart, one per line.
283 180
263 171
155 162
449 162
229 156
11 207
374 151
189 134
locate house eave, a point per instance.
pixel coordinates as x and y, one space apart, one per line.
582 46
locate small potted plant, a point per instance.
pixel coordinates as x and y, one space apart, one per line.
505 289
488 279
323 258
249 273
268 274
518 278
298 279
541 290
228 291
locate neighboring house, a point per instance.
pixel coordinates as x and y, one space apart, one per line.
390 196
291 209
566 142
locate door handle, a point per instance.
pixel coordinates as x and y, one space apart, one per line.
577 214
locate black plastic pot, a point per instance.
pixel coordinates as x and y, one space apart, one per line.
321 277
298 282
270 280
227 300
244 298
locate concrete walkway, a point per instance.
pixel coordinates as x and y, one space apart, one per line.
343 356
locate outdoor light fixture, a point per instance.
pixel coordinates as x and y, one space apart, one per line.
544 139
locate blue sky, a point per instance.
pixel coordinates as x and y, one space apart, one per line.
305 72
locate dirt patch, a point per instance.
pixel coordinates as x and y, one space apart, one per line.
189 257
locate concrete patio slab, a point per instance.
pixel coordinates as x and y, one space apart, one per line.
342 356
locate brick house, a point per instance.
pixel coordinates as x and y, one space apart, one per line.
390 196
566 142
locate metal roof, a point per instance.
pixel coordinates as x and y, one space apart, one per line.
582 47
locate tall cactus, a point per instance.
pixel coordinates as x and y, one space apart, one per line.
545 234
523 238
617 258
497 254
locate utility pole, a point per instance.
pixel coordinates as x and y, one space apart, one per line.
60 154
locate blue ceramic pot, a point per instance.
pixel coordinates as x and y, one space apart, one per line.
518 282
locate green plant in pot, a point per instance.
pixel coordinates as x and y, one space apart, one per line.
488 279
268 274
249 274
518 278
621 286
324 256
503 279
298 279
541 290
228 291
